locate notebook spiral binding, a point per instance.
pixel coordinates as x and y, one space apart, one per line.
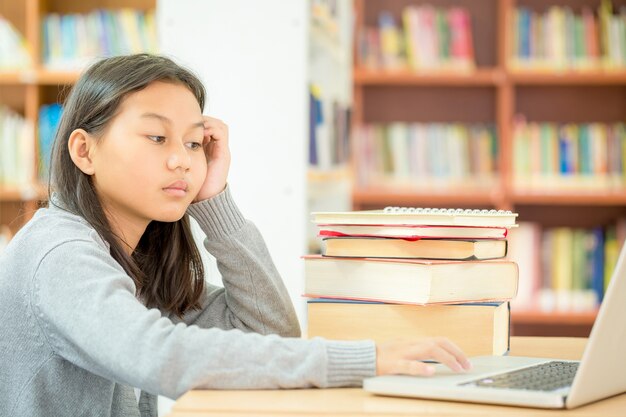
450 211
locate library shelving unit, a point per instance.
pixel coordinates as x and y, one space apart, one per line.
27 89
495 93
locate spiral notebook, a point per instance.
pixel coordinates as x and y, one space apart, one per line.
420 216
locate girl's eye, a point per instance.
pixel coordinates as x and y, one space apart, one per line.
156 138
194 145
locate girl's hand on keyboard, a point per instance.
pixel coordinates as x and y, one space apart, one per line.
406 357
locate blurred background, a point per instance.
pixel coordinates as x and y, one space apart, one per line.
361 104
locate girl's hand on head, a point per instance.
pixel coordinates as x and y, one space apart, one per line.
405 357
218 158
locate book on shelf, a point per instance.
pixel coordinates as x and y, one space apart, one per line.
409 281
17 150
564 268
426 39
447 249
587 156
412 232
71 41
524 242
561 38
477 328
428 155
419 216
329 130
14 53
48 122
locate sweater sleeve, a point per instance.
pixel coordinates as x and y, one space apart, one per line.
254 297
86 310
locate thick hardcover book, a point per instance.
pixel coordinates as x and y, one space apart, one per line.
450 249
477 328
410 281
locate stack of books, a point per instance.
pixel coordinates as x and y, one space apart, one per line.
411 273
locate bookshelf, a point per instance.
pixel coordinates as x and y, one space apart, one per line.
25 90
494 92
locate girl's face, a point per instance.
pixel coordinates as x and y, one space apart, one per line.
150 162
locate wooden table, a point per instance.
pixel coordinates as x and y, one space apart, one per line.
356 402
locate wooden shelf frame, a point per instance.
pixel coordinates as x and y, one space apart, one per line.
478 77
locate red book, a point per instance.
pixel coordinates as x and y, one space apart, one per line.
412 232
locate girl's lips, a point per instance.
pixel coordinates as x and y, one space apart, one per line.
175 192
180 185
177 188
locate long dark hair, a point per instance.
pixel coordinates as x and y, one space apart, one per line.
166 265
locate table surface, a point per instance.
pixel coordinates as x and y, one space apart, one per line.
356 402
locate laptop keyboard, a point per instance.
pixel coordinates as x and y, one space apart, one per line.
547 376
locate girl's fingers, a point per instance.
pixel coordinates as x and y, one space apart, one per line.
456 352
441 355
444 351
409 367
216 132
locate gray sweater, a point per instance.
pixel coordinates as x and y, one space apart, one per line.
75 339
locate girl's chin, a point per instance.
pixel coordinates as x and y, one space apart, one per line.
169 217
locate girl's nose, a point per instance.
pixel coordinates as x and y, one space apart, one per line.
179 158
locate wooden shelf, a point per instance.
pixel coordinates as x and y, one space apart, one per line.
33 193
568 77
40 76
413 197
478 77
48 77
557 197
585 318
11 77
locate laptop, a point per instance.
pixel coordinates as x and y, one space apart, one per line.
534 382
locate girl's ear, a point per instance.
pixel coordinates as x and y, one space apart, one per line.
81 146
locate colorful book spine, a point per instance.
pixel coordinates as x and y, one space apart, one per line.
564 269
427 38
70 41
16 150
426 155
14 54
550 156
329 131
563 39
49 118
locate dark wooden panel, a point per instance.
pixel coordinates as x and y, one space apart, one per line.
547 329
13 96
54 93
429 104
570 216
576 104
12 214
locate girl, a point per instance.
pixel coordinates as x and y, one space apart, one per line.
103 290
